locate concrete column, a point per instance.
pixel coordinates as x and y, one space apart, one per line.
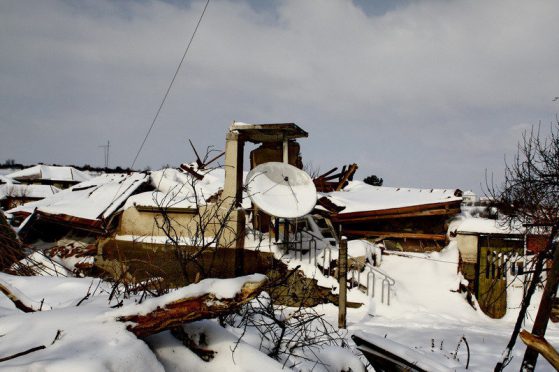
231 197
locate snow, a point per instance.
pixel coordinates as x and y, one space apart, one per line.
27 191
358 196
7 180
93 199
179 186
486 226
161 239
426 314
50 172
176 189
421 359
245 358
158 199
219 287
87 338
426 317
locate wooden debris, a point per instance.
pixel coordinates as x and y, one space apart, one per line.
10 248
205 354
387 355
203 164
28 351
329 205
328 182
16 299
393 234
189 309
543 347
188 169
346 176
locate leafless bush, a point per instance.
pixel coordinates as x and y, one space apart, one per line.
529 195
290 335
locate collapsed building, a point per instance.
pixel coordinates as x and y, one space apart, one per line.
404 219
60 177
138 220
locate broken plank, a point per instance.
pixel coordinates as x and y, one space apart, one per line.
426 213
350 171
187 169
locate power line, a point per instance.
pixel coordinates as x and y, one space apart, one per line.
170 85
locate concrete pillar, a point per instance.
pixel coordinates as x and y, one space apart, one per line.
233 235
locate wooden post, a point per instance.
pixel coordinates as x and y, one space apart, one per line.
285 150
541 346
342 280
544 310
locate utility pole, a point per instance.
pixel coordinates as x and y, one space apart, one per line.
106 149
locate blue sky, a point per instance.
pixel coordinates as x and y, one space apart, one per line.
421 93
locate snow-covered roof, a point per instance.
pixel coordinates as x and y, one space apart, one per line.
358 196
176 189
27 191
6 180
51 173
487 226
94 199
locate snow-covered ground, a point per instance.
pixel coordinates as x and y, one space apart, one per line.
425 314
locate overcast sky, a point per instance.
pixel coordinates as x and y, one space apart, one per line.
421 93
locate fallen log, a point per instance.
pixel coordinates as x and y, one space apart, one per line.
200 302
543 347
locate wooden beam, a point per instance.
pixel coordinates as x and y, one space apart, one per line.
350 171
194 174
427 213
323 175
541 346
455 204
393 234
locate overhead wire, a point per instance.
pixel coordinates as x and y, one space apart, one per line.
170 85
165 95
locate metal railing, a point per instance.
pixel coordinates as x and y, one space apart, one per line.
355 273
387 284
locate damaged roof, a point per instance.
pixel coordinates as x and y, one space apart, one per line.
50 173
361 197
27 191
360 200
179 190
90 202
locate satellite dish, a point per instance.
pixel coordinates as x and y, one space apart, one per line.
281 190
